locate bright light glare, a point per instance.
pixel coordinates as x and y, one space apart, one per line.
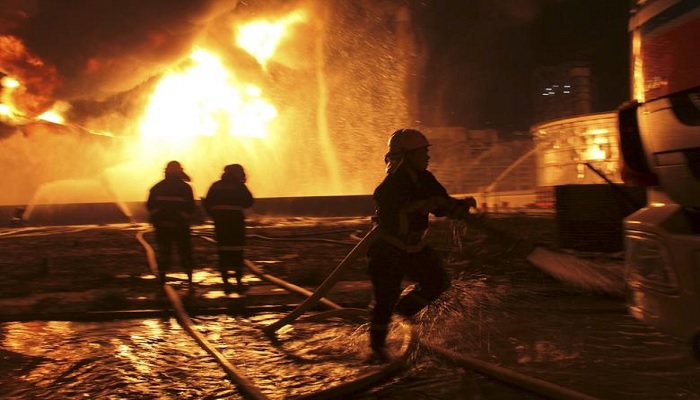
204 100
51 116
594 153
9 83
261 38
5 110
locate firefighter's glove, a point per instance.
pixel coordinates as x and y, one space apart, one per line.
469 202
460 209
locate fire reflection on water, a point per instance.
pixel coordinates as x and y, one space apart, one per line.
155 358
601 354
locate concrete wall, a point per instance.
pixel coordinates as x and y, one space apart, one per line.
317 206
112 213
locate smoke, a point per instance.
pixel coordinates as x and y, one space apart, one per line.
99 60
97 52
336 79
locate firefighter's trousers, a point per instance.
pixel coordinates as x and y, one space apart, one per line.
388 266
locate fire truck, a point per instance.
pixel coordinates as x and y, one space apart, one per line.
660 149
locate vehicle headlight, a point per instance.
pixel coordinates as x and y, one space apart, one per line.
648 261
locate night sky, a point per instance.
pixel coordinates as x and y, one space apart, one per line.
482 54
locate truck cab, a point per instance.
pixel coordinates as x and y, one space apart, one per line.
660 149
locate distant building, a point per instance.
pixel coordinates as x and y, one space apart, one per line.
566 145
476 161
562 91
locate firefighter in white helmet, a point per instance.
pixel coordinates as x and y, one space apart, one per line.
404 200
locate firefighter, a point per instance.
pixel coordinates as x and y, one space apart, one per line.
171 207
225 202
403 200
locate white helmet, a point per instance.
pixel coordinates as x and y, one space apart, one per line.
407 139
400 142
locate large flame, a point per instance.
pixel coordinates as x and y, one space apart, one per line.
8 111
205 99
300 125
28 85
203 114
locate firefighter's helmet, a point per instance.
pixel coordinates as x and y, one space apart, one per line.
406 140
400 142
173 167
235 170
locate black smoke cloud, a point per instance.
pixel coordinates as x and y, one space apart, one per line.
99 54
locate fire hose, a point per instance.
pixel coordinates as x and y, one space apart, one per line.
502 374
248 389
359 250
408 345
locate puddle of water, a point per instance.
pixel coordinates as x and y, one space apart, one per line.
155 358
501 314
150 358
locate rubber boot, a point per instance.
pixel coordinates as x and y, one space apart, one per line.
224 278
409 305
239 275
190 285
377 342
239 281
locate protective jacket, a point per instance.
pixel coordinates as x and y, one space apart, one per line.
226 200
171 203
396 191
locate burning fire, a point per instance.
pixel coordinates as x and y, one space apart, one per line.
261 38
206 99
27 84
10 113
51 116
203 100
202 110
8 84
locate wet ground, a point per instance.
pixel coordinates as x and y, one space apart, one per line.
500 309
